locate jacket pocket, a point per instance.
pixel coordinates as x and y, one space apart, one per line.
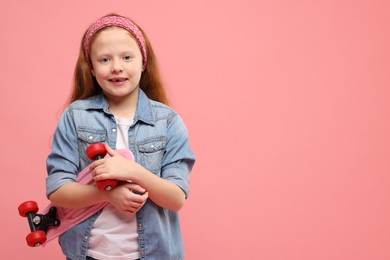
151 153
86 137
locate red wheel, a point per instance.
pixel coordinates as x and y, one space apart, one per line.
107 184
96 149
36 238
27 207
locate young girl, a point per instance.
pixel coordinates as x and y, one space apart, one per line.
118 98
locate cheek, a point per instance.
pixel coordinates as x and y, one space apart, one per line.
138 66
135 71
99 73
99 76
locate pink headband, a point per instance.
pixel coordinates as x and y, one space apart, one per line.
118 21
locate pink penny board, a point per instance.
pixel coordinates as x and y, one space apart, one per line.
71 217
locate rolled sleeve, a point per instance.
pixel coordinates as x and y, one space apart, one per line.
178 173
179 159
62 163
55 181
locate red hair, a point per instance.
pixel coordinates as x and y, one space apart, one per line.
85 84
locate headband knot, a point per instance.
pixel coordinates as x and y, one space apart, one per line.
117 21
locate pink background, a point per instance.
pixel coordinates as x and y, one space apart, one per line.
287 105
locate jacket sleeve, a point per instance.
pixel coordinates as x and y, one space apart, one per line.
178 158
63 162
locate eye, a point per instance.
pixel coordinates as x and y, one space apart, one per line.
104 60
126 57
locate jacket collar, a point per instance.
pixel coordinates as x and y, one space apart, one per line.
144 108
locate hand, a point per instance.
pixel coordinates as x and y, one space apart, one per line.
114 167
124 199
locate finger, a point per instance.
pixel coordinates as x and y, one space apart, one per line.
131 211
138 192
145 195
137 189
136 199
133 205
140 199
95 164
134 186
97 176
109 150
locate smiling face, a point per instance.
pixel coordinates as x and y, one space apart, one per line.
117 64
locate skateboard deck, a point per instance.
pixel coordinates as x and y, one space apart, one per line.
70 217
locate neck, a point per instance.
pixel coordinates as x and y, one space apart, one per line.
124 107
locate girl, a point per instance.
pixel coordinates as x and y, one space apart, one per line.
118 98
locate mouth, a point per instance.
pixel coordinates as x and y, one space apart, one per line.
117 80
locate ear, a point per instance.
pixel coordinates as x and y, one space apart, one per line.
93 72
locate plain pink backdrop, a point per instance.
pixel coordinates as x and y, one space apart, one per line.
286 102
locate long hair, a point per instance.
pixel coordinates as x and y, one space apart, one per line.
85 84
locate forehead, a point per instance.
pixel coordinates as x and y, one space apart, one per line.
113 35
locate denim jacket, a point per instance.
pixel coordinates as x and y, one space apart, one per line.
159 141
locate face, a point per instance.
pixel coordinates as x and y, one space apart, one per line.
117 64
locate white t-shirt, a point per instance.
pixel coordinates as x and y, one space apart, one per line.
114 234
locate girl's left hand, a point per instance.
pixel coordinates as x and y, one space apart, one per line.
127 197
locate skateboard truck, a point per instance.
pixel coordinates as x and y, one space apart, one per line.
97 151
39 223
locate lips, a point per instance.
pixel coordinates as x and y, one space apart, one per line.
118 80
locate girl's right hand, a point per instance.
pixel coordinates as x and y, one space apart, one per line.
127 197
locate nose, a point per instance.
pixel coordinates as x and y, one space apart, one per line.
116 66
